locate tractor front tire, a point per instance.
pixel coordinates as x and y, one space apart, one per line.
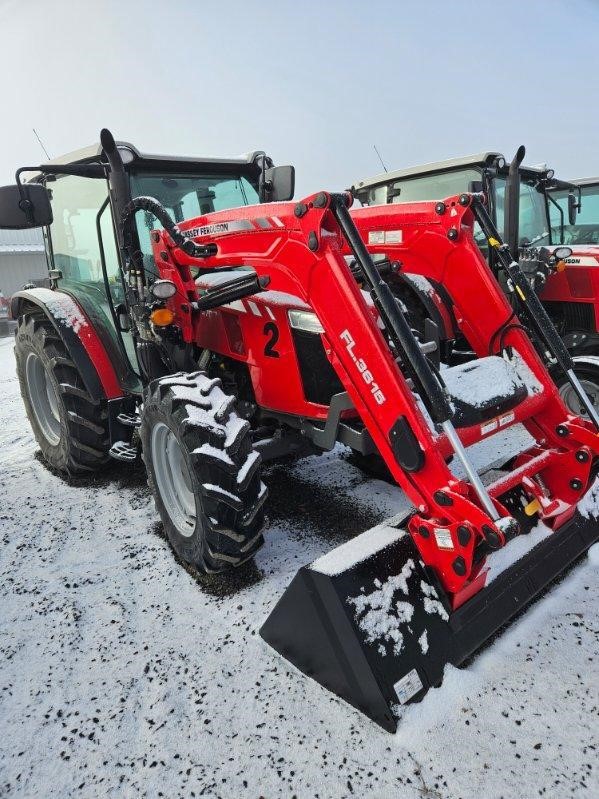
203 471
588 374
70 427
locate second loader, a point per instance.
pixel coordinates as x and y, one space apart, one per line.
254 339
548 225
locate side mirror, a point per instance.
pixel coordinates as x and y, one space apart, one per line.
24 206
279 183
573 208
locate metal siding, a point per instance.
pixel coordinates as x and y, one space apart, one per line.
18 240
18 269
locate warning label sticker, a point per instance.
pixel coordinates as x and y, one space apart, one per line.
488 427
499 421
408 686
506 419
393 237
443 537
376 236
385 237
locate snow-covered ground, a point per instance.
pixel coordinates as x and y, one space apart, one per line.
121 675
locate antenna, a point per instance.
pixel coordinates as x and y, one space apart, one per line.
380 159
42 144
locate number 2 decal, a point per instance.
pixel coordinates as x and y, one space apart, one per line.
271 330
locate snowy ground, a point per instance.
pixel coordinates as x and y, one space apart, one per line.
122 676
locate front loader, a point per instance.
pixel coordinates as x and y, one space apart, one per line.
266 340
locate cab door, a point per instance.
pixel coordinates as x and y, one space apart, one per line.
79 240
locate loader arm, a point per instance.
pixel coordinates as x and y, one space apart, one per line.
300 248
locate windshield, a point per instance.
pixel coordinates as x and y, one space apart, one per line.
416 189
426 188
533 225
586 229
186 196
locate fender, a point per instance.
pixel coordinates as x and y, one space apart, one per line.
592 361
79 336
437 306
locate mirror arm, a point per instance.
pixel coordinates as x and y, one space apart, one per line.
25 203
561 214
79 170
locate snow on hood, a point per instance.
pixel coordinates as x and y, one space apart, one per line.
479 382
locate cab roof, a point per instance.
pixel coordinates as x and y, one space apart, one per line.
586 181
476 160
130 155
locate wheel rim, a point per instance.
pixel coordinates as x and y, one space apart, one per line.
571 399
43 398
172 479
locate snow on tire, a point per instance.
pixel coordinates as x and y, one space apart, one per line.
203 471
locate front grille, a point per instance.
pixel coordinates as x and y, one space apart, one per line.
572 315
319 379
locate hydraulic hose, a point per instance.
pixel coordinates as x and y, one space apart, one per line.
154 207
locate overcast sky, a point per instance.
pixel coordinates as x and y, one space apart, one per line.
315 83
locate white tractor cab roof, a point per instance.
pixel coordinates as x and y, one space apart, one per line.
174 180
131 156
586 182
371 190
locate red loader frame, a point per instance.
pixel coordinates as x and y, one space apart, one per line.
300 247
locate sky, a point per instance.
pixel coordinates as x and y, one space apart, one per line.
316 84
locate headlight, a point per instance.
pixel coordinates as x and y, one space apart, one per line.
562 252
163 289
305 320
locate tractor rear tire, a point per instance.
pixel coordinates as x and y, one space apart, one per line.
70 427
203 471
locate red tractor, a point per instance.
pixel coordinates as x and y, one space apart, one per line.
572 297
250 337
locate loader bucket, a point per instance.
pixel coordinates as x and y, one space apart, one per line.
367 622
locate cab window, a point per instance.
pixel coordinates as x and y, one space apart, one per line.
76 205
186 196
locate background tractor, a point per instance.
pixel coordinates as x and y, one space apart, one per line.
538 215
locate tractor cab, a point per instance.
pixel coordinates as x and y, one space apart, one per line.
583 231
84 255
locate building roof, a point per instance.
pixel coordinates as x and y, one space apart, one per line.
15 241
